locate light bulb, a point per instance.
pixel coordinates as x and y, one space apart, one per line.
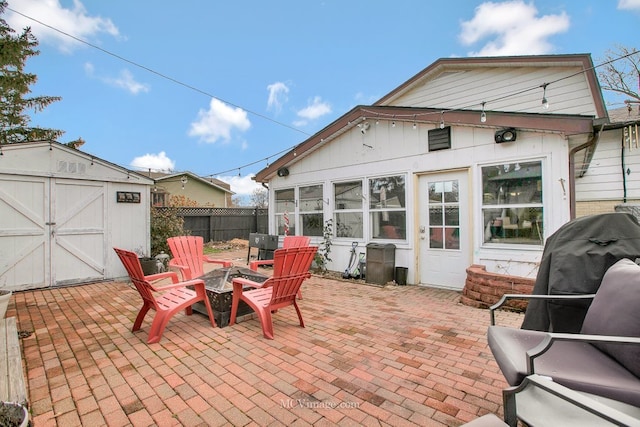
483 117
545 102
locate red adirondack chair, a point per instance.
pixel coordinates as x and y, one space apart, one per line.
166 300
188 256
290 269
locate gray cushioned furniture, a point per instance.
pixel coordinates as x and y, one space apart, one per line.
603 359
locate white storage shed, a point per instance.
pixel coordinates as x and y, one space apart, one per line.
62 211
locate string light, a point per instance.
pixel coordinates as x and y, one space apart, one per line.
442 119
483 115
393 123
545 101
414 122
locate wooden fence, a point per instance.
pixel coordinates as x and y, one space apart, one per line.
223 224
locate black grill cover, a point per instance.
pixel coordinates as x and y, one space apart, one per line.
574 260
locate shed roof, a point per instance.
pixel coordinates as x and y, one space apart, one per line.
50 158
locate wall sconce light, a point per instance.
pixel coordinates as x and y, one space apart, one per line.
184 180
505 135
283 172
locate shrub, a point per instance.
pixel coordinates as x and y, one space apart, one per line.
165 223
322 256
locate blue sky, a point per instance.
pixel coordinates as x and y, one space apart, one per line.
220 87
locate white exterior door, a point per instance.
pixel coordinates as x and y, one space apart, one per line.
52 232
24 232
444 232
78 231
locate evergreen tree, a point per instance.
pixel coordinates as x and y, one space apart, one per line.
15 49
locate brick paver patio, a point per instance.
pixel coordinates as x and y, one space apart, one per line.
369 355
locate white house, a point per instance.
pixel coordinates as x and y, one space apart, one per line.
612 179
471 161
61 213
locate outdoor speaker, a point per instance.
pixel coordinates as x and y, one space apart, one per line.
505 135
283 172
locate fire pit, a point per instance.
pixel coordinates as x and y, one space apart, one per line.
220 292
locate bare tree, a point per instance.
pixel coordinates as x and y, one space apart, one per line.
259 198
620 72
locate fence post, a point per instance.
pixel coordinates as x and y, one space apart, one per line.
211 230
255 221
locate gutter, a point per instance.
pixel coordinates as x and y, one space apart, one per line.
572 172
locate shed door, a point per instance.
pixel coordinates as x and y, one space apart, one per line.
24 232
78 232
52 232
445 240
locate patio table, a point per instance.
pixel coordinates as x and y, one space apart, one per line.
220 292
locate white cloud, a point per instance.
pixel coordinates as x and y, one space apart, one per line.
155 162
124 81
74 21
241 185
127 82
277 96
218 122
89 69
316 108
512 28
629 4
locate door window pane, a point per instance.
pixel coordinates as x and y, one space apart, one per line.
444 215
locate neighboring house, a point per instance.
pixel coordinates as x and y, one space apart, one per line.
62 211
459 165
613 176
203 192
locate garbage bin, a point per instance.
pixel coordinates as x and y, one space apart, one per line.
381 262
401 275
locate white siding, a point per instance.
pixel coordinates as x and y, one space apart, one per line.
467 89
604 178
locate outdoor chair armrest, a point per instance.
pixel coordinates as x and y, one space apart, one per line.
507 297
551 337
582 401
242 282
158 276
193 282
174 263
225 263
